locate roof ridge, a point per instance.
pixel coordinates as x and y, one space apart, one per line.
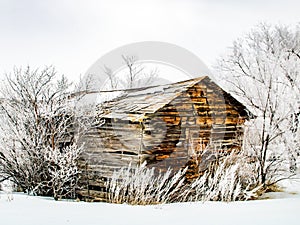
197 79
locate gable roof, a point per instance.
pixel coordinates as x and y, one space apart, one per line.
134 104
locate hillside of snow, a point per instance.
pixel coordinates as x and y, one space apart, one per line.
282 208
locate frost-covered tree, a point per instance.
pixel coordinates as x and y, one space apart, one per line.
262 70
38 133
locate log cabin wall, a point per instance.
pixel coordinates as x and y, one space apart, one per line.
113 146
199 119
169 128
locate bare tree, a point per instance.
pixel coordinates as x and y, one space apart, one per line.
135 75
39 146
113 81
262 70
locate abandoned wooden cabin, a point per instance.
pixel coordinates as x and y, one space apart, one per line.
169 126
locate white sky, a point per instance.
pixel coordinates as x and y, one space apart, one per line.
73 34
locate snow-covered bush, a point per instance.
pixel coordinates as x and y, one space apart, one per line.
63 171
39 139
50 172
7 187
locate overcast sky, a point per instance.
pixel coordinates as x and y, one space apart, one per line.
73 34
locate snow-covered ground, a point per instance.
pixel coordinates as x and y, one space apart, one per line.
28 210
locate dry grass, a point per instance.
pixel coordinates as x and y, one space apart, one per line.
228 180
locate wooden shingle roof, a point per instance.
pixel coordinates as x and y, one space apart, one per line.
134 104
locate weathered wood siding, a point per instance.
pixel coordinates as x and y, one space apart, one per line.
108 149
197 120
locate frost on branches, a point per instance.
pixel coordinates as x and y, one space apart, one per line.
262 71
39 147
